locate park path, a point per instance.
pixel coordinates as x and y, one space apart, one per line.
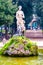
39 42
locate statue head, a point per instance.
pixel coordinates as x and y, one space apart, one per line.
34 16
20 7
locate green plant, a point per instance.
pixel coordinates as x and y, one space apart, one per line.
5 47
7 11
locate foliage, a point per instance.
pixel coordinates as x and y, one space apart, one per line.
7 11
40 11
6 45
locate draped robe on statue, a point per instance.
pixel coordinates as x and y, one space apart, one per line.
20 21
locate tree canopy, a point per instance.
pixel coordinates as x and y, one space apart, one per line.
7 11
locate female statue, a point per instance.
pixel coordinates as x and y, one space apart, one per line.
20 22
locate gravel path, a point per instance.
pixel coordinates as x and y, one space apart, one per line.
39 42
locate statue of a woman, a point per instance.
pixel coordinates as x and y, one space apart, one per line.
20 22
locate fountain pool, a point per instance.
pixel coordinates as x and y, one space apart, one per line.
35 60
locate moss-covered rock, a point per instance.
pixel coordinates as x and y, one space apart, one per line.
20 46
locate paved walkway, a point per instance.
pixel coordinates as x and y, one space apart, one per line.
1 45
39 42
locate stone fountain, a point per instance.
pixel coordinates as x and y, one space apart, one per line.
35 22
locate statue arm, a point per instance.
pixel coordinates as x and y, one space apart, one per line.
16 15
23 15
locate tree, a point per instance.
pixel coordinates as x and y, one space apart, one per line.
40 11
7 11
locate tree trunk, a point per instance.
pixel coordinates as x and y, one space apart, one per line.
11 31
6 32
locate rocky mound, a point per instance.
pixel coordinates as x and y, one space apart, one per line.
19 46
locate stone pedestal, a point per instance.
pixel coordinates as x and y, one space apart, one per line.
34 33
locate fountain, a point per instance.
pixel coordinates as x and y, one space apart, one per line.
36 60
35 23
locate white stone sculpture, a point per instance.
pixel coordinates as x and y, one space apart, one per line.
20 22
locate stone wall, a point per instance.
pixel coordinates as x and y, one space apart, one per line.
34 33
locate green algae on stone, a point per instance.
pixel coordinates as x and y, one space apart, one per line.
19 45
